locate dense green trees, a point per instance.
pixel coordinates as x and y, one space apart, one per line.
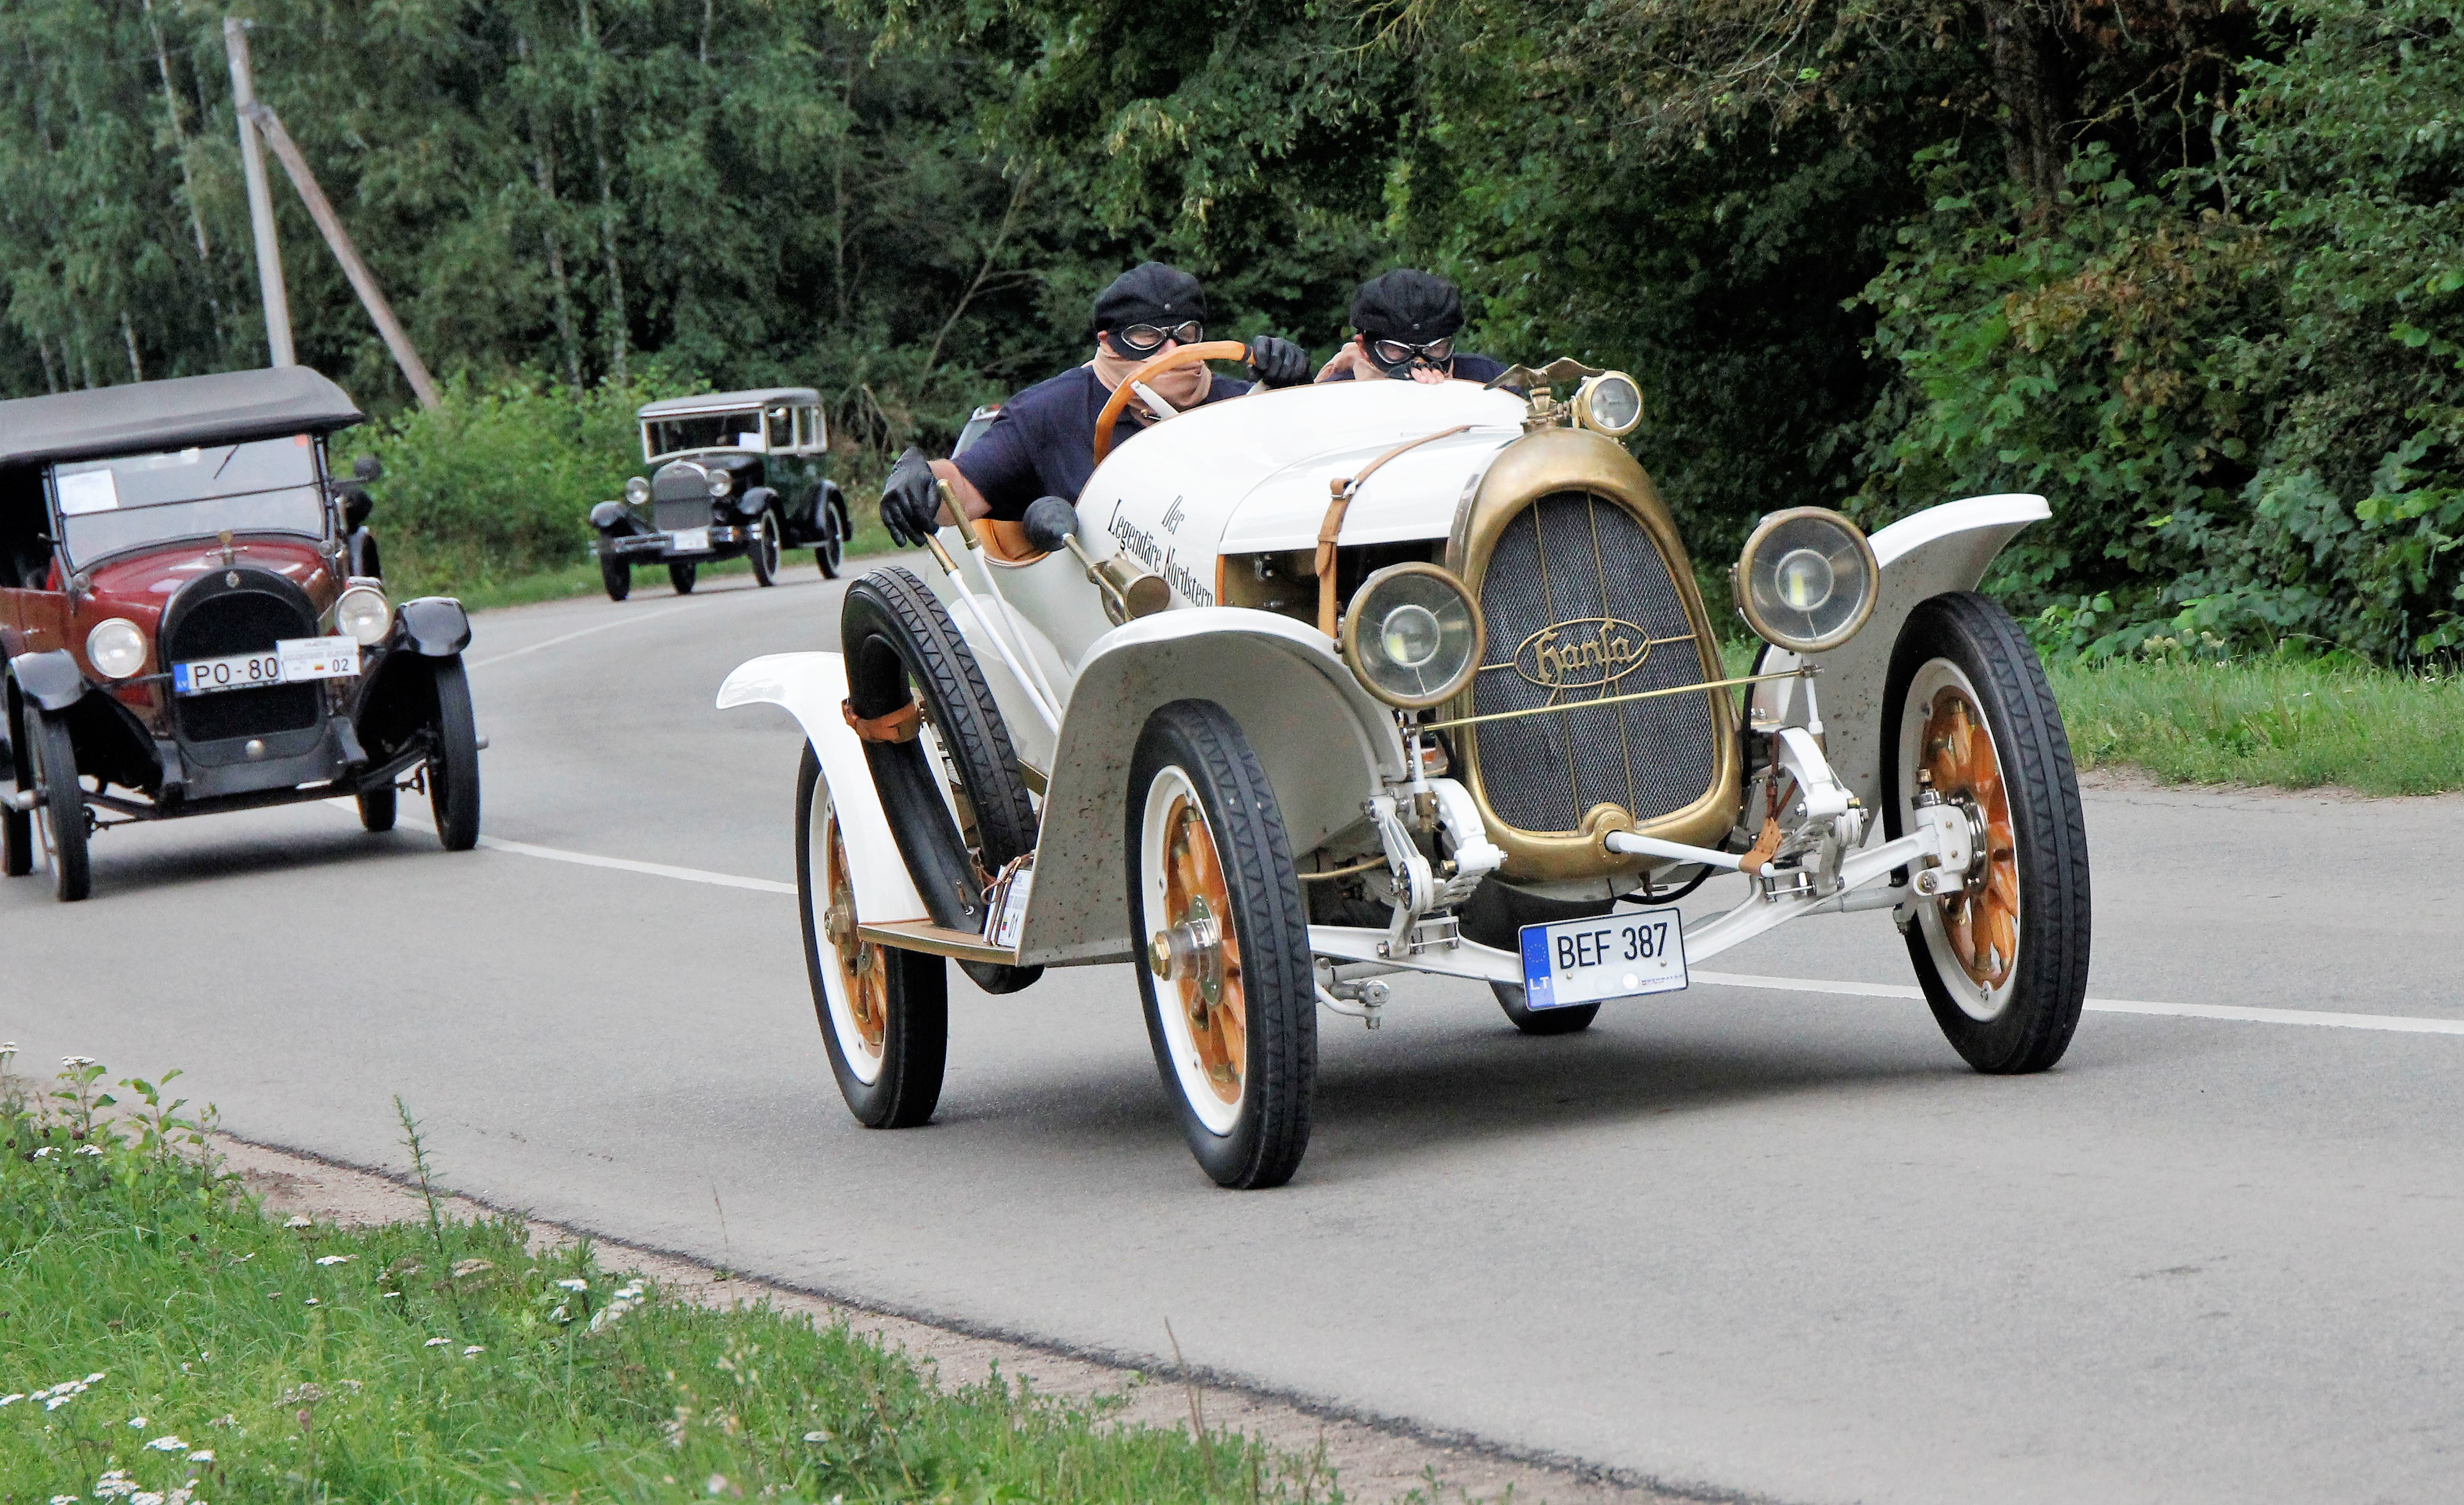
2191 268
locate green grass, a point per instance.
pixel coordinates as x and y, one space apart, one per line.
2291 722
166 1336
569 581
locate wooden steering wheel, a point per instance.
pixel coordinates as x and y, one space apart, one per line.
1169 360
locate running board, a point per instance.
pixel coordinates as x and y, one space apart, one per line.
922 934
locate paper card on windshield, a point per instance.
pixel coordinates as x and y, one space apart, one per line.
87 491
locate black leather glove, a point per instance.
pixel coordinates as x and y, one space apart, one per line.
1277 362
910 504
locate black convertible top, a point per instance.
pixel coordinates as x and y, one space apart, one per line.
141 417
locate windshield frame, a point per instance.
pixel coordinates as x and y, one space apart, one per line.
62 521
758 412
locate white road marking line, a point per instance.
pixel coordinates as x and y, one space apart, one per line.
656 869
2399 1024
604 627
2402 1024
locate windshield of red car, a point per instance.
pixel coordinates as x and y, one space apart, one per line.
729 430
262 486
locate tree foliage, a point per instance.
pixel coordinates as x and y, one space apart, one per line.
2190 268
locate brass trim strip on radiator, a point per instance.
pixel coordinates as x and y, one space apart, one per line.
1617 699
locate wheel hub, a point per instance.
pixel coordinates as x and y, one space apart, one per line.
1981 917
1196 954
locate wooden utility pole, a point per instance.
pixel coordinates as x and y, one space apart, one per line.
362 282
260 200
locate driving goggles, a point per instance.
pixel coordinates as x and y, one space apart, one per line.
1392 353
1148 339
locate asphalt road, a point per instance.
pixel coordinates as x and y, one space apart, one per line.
1775 1241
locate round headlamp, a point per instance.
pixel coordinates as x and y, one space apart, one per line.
116 647
721 482
1413 635
1807 579
1609 403
637 490
365 615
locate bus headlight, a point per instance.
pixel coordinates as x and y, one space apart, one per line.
1412 634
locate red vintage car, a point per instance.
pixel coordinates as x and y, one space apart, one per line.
182 631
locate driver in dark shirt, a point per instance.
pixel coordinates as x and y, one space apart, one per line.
1405 326
1043 442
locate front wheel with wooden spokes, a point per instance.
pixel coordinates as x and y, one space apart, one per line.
1223 960
885 1014
2002 950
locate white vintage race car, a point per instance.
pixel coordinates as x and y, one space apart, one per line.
1344 680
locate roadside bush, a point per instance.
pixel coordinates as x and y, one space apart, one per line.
498 481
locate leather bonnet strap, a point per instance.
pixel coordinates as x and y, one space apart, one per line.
1344 489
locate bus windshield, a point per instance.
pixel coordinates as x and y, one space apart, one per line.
261 486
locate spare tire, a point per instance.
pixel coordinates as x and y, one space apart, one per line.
955 802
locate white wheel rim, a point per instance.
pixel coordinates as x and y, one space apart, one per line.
863 1054
1981 1001
1172 800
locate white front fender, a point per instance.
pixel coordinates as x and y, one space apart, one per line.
1942 548
1327 744
811 686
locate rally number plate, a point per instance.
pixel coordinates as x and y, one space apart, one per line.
690 541
293 661
1622 954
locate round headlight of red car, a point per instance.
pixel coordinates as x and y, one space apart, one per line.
116 649
363 613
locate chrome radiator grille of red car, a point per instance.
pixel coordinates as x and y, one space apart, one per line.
1580 605
211 619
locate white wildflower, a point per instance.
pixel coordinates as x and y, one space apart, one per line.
388 1296
88 1149
74 1061
312 1301
717 1484
297 1221
137 1423
464 1268
95 1377
168 1444
201 1455
58 1400
336 1259
66 1500
181 1495
473 1349
559 1315
145 1498
574 1285
817 1436
437 1342
47 1152
12 1399
114 1484
630 1291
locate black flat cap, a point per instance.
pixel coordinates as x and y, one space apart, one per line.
1150 293
1405 304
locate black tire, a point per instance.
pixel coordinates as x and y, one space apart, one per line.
765 550
453 767
1495 916
616 575
59 816
378 807
1257 1140
16 828
681 574
901 645
912 998
2024 1021
830 553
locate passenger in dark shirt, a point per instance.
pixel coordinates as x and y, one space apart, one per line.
1043 444
1405 326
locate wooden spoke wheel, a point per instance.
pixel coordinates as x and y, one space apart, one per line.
1981 921
1967 717
885 1014
1224 963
